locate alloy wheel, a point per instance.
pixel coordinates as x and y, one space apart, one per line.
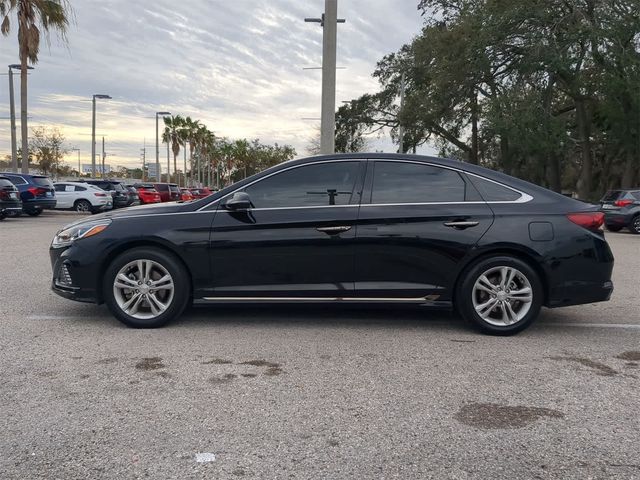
143 289
83 206
502 296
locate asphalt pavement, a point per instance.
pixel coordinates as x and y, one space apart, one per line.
308 393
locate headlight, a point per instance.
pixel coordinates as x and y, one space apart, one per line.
66 237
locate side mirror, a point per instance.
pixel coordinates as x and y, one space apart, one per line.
239 201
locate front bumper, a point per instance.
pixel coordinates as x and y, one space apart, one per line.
71 276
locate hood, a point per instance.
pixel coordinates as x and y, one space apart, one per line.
140 210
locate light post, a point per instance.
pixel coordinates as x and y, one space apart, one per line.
93 132
79 169
12 107
158 176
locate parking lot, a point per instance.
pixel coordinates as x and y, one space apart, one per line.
311 393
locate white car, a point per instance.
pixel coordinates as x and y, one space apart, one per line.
82 197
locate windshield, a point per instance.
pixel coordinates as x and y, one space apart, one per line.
43 181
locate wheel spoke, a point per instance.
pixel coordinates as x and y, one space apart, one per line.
485 282
510 277
126 305
157 307
134 308
130 283
513 316
165 283
522 295
484 308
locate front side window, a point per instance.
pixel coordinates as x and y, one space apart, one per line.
315 185
402 182
17 180
59 187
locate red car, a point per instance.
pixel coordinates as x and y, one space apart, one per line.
186 195
199 193
147 193
169 192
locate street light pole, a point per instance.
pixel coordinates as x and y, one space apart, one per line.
329 23
93 131
158 176
400 126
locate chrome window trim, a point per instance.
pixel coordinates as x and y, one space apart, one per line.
524 197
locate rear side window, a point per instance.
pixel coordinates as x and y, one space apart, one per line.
17 180
43 181
636 194
80 189
494 192
401 182
611 196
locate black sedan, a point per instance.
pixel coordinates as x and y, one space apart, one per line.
371 228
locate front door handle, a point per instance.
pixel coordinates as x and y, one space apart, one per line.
461 225
334 230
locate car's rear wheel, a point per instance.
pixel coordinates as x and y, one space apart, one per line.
3 215
146 287
82 206
634 225
614 228
35 212
500 295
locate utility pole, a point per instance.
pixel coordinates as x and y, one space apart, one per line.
79 168
329 23
158 174
400 126
184 151
168 164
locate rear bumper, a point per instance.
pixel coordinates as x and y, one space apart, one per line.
582 292
39 204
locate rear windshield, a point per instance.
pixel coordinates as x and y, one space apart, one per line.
611 196
174 188
43 181
118 187
5 183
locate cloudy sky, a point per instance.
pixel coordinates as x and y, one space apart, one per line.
237 65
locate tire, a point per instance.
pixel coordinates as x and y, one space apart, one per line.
3 215
34 213
132 307
634 224
614 228
14 214
82 206
510 313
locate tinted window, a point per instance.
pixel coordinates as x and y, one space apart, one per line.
43 181
611 196
80 189
636 195
400 182
118 187
59 187
162 188
17 180
493 192
308 186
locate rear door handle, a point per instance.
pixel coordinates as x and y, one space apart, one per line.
461 225
334 230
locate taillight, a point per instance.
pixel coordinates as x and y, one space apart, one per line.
623 203
590 220
98 194
4 194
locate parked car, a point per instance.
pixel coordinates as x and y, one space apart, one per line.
622 209
147 193
199 193
10 203
36 192
169 192
82 197
132 192
116 189
353 228
186 195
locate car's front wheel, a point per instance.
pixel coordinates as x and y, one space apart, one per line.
500 295
146 287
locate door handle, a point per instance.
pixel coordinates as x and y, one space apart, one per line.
334 230
461 225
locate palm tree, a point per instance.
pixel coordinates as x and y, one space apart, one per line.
34 17
172 136
190 134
